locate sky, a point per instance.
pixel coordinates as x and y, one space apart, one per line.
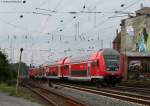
48 30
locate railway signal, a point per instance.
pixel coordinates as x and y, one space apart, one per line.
19 67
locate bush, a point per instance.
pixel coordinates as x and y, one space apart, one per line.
6 72
8 89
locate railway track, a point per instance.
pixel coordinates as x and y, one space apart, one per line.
138 84
137 90
135 98
53 98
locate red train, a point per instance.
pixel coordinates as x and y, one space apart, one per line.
101 68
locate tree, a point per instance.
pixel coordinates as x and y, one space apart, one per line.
3 67
8 72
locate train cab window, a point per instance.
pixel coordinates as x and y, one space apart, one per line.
94 64
66 67
97 63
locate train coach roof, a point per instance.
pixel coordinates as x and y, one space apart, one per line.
109 51
85 58
61 61
79 59
52 63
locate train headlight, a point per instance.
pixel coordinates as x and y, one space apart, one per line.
108 69
117 68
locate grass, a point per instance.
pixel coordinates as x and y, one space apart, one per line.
8 89
22 92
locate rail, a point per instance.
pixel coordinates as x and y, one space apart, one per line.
136 98
53 98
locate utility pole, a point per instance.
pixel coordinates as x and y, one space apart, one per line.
98 37
89 14
19 67
11 51
110 44
95 17
75 31
101 44
52 37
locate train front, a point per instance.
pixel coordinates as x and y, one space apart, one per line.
113 74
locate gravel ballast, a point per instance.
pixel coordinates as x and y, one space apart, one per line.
90 98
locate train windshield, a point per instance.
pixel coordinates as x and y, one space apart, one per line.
112 62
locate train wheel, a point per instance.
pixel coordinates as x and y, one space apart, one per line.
100 84
113 84
50 83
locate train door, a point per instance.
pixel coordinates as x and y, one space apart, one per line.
66 70
62 70
88 69
59 71
94 68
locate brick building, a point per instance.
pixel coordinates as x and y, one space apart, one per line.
117 41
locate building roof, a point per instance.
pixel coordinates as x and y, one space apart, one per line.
145 10
110 51
137 54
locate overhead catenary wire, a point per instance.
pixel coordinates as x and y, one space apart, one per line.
62 28
41 13
29 12
76 12
73 16
114 16
121 11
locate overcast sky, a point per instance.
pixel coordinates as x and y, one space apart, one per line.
48 31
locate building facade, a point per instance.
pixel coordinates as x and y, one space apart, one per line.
133 42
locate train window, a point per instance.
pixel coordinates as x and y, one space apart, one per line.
93 64
97 63
66 67
111 56
79 72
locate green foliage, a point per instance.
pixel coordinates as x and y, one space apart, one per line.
8 89
4 67
11 90
24 68
8 72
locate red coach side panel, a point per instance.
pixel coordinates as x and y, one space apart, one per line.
32 72
52 71
79 70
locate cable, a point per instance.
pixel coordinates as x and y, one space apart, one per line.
59 2
20 27
101 23
15 12
132 4
43 3
41 13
